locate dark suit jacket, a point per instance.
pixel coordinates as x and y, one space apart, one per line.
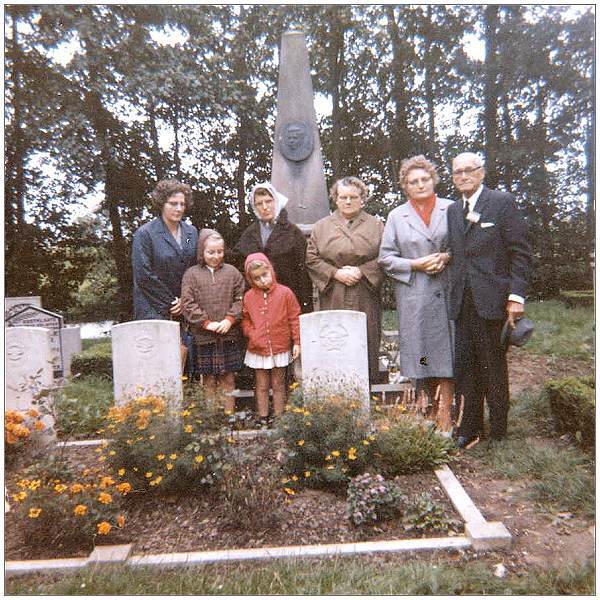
158 267
286 249
492 256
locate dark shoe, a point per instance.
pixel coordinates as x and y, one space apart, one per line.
464 443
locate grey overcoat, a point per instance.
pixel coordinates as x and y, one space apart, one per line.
424 328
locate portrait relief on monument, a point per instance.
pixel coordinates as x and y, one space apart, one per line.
295 140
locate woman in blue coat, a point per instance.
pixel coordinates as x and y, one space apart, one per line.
162 251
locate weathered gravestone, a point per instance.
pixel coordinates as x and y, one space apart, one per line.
13 304
146 360
297 169
71 344
28 370
34 316
334 354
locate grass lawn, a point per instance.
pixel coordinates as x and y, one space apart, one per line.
341 576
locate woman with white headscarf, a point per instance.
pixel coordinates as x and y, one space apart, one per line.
281 241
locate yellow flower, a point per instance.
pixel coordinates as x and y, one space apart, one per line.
294 477
160 457
352 454
289 491
23 483
124 488
111 452
35 484
80 509
76 488
105 498
285 480
169 466
365 442
104 528
20 496
34 513
121 472
188 428
148 474
306 473
185 413
102 458
300 442
172 456
199 458
372 438
120 520
335 453
230 440
156 481
60 488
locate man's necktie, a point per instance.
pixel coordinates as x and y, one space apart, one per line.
465 209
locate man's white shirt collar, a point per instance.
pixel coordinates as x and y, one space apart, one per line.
472 200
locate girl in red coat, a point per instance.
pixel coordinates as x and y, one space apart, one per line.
270 321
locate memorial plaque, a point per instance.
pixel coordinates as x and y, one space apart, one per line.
33 316
147 360
334 354
14 304
28 370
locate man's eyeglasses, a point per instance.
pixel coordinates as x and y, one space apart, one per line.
465 171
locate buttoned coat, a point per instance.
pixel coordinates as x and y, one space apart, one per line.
158 267
424 328
493 254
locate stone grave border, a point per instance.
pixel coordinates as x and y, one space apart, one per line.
480 535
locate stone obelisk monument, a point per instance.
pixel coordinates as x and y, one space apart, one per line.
297 160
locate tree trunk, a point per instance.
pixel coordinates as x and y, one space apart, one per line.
508 142
336 61
490 95
176 157
156 154
429 93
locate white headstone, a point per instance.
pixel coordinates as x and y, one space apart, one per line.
28 368
147 360
334 354
71 344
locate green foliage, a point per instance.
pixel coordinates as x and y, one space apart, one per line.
61 506
560 332
562 477
249 491
408 446
371 498
326 441
573 405
96 360
330 576
81 406
159 450
424 514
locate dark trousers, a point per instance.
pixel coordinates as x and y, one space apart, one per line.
481 371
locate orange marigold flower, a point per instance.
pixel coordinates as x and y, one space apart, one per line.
169 466
10 438
39 426
199 458
120 520
33 413
124 488
300 442
20 496
104 528
121 472
80 509
105 498
160 457
335 453
106 482
60 487
289 491
34 513
188 428
172 456
35 484
148 474
156 481
76 488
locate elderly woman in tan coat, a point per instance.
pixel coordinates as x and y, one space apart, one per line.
341 259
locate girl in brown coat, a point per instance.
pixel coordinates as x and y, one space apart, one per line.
211 297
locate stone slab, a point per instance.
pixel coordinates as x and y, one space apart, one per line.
146 360
334 354
490 535
71 344
13 304
110 554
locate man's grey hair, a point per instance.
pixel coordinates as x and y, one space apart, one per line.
476 158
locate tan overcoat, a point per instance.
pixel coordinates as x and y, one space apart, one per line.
334 244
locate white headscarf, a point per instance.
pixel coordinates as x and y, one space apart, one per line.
279 198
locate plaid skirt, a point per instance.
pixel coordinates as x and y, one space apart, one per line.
221 356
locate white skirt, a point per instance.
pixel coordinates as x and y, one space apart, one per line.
256 361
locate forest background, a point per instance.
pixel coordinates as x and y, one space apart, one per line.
102 101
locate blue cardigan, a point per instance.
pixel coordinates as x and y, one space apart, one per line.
158 267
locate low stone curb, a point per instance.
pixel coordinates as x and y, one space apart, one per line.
480 535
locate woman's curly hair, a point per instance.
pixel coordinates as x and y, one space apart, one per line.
417 162
168 187
359 184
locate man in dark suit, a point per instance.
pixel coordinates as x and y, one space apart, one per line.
489 274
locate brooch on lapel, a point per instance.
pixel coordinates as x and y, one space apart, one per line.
187 240
473 216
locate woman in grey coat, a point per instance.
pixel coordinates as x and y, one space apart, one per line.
414 253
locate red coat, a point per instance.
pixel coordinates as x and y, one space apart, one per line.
270 319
